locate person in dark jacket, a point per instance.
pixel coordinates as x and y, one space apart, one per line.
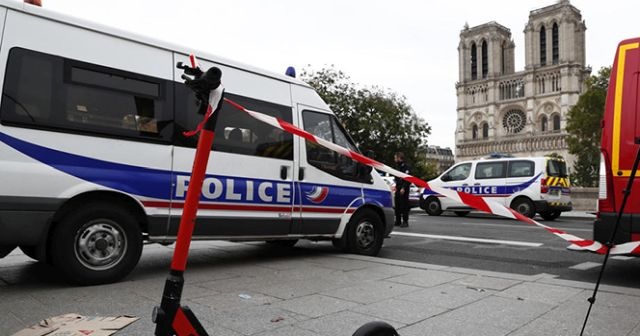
401 194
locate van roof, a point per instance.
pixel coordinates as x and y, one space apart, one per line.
514 159
128 35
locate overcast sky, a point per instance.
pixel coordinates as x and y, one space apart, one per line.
409 47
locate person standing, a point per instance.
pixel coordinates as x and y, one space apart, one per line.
401 194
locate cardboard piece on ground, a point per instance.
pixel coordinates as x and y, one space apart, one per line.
78 325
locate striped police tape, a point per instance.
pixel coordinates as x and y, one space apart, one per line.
476 202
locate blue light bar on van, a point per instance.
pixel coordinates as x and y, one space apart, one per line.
291 72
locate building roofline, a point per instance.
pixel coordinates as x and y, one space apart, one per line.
555 7
491 25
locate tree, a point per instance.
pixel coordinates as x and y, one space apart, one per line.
583 126
378 120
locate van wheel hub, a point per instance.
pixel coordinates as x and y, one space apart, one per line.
365 234
100 244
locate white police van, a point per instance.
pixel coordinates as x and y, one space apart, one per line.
93 161
528 185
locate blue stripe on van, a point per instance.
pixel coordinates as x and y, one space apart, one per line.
489 190
155 183
381 198
127 178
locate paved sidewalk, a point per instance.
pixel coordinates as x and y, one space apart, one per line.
247 289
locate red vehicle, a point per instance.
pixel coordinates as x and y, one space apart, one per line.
620 142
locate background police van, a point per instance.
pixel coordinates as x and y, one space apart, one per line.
93 160
527 185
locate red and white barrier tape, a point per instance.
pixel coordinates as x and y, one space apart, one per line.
476 202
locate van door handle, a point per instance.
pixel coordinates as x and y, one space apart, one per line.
465 184
301 173
476 184
284 172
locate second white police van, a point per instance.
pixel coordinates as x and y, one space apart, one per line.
94 162
528 185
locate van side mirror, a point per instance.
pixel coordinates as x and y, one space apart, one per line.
445 178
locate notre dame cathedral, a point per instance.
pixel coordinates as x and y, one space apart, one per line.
520 113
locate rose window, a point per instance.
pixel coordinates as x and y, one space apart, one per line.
514 121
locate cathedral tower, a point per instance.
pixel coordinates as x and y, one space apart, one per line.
520 113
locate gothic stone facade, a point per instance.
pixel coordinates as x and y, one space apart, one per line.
520 113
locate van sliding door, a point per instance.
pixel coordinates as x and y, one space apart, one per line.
248 190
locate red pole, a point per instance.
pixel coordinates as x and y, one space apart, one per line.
170 317
187 222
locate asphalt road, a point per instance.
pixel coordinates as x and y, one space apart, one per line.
495 244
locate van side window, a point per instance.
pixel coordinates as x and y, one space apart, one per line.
236 131
520 168
46 91
556 168
327 127
490 170
457 173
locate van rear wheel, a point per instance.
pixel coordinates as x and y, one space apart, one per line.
96 244
365 233
550 215
524 206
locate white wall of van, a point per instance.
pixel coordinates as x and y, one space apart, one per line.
529 185
94 160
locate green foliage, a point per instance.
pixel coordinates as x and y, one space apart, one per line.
430 169
378 120
583 126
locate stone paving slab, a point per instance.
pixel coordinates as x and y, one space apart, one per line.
568 318
235 300
371 291
423 278
549 294
503 313
447 295
446 326
254 320
315 305
400 310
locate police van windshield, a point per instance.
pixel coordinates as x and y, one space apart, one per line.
556 168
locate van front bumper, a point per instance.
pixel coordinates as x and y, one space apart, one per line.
546 206
389 219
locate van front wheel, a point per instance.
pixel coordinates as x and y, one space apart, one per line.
365 233
96 244
524 206
432 206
